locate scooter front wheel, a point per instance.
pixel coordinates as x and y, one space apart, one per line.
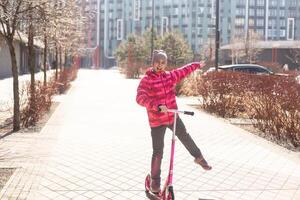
147 183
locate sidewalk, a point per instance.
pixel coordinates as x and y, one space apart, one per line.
97 145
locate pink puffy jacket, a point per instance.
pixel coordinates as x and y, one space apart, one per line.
157 89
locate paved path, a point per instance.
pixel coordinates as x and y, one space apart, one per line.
97 145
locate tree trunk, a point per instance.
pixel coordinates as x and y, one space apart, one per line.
45 59
60 59
56 62
15 73
66 59
31 65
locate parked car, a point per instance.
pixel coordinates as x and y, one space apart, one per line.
250 68
247 68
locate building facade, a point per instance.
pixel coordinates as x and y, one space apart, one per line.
90 41
271 19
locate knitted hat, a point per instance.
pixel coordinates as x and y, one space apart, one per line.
159 55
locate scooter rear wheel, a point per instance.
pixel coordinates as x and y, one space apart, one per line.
170 194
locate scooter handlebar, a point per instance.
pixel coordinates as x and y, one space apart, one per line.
182 112
188 113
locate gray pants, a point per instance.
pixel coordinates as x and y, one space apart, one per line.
158 134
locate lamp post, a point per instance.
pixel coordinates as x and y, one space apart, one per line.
217 36
98 35
152 31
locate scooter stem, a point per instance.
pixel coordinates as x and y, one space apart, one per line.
170 177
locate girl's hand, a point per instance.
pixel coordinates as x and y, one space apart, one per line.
202 64
163 108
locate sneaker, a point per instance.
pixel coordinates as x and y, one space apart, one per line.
154 187
202 162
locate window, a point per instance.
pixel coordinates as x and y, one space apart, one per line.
293 3
252 2
176 11
260 12
292 13
136 9
252 70
260 22
175 21
272 23
119 29
290 28
282 23
240 22
168 2
260 32
251 22
240 11
282 3
282 33
272 33
273 3
199 31
260 2
281 13
241 2
251 12
272 13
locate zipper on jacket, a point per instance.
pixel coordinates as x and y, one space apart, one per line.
165 97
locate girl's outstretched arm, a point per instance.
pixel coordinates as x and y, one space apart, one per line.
180 73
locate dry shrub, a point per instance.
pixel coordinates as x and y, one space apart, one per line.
65 77
271 101
188 86
38 103
274 104
133 71
222 93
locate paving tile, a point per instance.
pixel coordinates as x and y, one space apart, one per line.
97 145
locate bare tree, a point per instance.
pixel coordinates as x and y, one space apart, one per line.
250 46
294 56
208 52
245 48
10 15
44 16
236 48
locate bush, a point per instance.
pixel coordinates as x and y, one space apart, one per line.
38 104
271 101
222 93
35 105
65 77
188 86
276 109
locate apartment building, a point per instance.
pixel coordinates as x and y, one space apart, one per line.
272 19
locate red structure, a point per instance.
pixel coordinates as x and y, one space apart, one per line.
90 10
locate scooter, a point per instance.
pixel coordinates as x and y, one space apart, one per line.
167 192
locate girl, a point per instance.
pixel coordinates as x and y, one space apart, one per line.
156 92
